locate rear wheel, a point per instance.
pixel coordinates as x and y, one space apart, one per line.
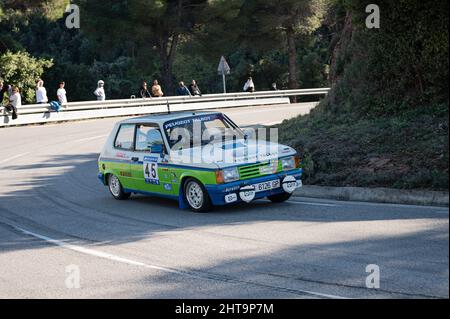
196 196
116 189
280 198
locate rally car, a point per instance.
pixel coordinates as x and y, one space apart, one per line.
201 160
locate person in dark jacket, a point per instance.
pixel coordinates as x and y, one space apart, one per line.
4 88
144 92
194 89
182 89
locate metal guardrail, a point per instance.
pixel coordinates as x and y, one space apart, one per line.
42 113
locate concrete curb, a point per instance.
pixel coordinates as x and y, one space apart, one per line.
377 195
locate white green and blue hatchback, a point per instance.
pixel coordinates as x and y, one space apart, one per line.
199 159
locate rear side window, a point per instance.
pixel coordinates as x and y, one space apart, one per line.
125 137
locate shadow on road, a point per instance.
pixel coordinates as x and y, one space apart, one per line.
63 199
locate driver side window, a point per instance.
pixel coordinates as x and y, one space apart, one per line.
147 136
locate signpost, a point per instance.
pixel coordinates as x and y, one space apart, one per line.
223 70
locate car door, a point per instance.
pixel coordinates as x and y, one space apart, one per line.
122 154
147 157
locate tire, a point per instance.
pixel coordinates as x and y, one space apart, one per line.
196 196
280 198
116 189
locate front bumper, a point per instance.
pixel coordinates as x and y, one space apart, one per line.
218 193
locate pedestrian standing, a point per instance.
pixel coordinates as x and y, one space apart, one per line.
100 91
274 87
249 85
157 90
144 92
182 89
61 93
194 89
41 92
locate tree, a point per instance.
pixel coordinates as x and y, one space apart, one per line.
399 67
16 13
157 25
282 20
22 70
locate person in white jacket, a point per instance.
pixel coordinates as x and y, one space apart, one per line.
100 92
15 99
249 86
41 92
15 102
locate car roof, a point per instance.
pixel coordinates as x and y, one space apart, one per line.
162 118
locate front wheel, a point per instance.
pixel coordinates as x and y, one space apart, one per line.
116 189
280 198
196 196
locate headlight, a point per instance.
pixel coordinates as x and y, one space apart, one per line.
230 175
288 163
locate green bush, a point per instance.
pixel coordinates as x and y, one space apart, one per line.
23 70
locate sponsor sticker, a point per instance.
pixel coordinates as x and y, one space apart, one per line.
247 194
121 155
125 174
231 198
289 184
269 169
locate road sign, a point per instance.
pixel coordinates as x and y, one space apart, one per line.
224 69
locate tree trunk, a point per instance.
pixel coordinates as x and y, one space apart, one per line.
167 55
292 53
168 49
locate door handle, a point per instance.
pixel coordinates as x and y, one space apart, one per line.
135 159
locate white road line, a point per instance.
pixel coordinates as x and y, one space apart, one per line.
97 253
442 210
13 157
438 209
100 254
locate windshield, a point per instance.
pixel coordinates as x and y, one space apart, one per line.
200 130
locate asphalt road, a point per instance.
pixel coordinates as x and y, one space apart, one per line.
57 221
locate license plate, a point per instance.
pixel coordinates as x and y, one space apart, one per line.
267 186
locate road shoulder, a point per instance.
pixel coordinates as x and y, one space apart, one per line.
376 195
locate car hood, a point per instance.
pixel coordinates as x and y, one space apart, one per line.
233 153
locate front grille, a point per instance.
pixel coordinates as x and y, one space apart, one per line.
254 170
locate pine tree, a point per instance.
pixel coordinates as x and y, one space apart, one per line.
158 24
